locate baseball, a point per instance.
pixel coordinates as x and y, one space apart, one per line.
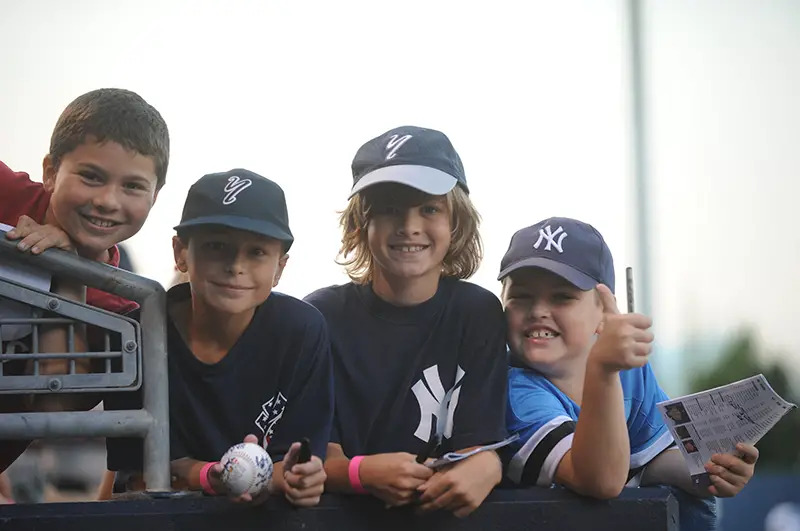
246 469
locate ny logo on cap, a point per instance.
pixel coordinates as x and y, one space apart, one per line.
234 187
395 143
548 234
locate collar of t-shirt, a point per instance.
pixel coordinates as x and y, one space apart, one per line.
387 311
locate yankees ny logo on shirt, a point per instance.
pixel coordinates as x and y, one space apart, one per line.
395 143
435 402
271 413
234 187
548 234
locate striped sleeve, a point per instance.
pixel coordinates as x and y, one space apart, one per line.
545 427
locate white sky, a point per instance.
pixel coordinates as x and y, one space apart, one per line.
533 94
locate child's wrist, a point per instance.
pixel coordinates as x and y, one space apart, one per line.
354 474
205 480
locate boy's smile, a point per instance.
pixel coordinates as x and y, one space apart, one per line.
101 195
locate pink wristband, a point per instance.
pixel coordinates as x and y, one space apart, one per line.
353 472
207 488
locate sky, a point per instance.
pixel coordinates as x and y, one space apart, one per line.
533 94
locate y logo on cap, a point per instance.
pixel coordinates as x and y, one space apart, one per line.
548 234
234 187
395 143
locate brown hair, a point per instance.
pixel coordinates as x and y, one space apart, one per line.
461 260
113 114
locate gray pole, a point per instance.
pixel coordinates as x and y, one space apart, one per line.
641 202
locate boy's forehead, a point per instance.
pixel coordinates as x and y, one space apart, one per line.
112 158
397 194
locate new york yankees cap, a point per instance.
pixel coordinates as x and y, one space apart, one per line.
571 249
239 199
414 156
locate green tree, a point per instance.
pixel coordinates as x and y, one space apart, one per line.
779 448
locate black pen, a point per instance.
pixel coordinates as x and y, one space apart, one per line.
426 452
305 451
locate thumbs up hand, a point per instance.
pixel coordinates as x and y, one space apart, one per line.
624 340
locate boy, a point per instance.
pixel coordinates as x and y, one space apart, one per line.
108 159
419 355
585 408
242 358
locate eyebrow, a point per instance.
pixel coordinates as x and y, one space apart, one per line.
103 172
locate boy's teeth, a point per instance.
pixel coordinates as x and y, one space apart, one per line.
536 334
410 248
101 222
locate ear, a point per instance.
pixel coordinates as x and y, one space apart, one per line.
49 172
179 250
281 264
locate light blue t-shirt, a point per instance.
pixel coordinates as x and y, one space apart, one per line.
545 418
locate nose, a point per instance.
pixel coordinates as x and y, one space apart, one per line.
539 309
106 199
409 222
236 262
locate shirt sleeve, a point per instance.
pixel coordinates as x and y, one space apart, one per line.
309 409
478 416
545 430
21 196
648 433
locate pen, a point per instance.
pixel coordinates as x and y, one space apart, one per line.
305 451
426 452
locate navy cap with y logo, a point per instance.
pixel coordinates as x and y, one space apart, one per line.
239 199
571 249
414 156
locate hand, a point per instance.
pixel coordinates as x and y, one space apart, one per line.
624 340
304 482
394 478
215 478
37 237
460 488
730 473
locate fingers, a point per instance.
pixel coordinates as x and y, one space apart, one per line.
433 488
250 438
749 453
308 468
607 300
722 488
418 471
443 501
290 459
730 464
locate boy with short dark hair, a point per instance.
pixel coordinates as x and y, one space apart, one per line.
582 395
107 161
244 360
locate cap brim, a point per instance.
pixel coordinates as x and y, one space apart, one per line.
265 228
575 277
423 178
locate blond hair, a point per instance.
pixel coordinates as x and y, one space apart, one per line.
461 260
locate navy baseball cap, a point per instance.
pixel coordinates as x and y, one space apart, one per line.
571 249
239 199
414 156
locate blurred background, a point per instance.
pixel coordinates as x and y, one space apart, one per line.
671 126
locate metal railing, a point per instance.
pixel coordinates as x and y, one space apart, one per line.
140 357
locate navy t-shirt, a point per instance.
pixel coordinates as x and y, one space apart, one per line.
405 373
275 383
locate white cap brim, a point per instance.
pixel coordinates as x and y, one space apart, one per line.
423 178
